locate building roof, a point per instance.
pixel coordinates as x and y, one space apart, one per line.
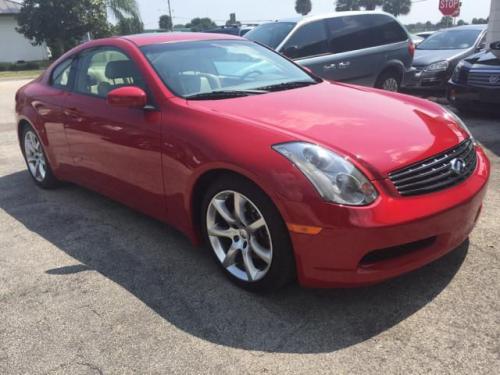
9 7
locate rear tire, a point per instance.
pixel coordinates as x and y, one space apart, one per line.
390 80
36 159
251 243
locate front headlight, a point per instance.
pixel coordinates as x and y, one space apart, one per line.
456 73
452 116
441 66
334 177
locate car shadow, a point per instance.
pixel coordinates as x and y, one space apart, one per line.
183 285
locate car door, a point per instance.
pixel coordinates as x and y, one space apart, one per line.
354 42
49 105
308 46
115 150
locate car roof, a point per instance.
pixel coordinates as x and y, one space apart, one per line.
170 37
307 19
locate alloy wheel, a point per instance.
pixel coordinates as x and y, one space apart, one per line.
391 84
34 156
239 235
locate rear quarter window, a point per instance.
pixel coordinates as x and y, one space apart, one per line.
60 77
352 33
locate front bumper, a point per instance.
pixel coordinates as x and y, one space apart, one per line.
469 95
419 79
363 245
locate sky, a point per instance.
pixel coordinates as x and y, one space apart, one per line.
260 10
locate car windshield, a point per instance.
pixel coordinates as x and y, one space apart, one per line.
216 69
450 39
270 34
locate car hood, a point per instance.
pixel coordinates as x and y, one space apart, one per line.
426 57
382 131
485 60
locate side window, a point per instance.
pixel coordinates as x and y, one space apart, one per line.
105 69
61 74
352 33
308 40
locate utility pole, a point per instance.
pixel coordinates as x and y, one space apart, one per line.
170 15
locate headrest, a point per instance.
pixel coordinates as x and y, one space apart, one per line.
120 69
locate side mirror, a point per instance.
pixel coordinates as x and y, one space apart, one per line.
291 51
495 46
481 47
127 96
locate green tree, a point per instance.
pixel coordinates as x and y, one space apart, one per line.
371 4
479 21
121 9
61 24
461 23
165 22
446 21
128 26
201 24
303 6
345 5
397 7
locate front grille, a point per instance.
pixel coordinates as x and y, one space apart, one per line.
484 78
437 173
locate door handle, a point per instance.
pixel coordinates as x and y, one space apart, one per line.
330 66
72 113
344 64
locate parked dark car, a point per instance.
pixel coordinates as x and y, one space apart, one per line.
425 34
476 81
437 56
366 48
232 29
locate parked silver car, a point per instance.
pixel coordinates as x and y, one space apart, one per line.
437 56
367 48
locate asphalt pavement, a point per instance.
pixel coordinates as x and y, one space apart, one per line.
88 286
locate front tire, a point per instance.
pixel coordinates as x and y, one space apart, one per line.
247 235
36 160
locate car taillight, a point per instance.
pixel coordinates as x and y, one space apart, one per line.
411 48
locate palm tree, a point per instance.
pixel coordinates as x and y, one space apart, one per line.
122 9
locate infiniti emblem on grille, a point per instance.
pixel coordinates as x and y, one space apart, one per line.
458 166
494 79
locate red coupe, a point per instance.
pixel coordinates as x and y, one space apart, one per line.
280 173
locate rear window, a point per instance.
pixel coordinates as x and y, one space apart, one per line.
351 33
270 34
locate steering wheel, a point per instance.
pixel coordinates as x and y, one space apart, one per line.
249 74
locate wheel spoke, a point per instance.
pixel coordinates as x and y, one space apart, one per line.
259 223
37 168
239 208
221 232
230 258
220 206
42 169
250 268
260 251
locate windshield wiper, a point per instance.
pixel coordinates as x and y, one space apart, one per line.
287 85
224 94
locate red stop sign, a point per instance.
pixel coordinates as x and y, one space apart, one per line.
449 7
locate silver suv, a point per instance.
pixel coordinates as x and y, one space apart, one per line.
366 48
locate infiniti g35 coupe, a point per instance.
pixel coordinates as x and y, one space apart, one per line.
281 174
